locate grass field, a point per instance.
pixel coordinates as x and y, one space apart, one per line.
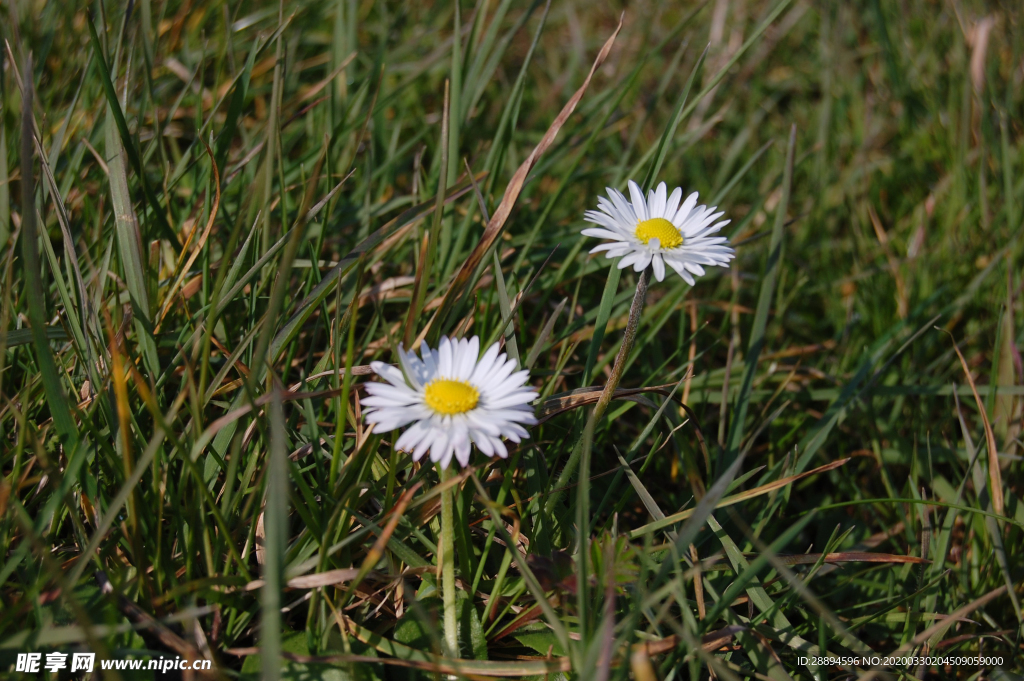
214 216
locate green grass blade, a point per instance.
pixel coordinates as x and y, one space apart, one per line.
238 96
117 119
604 311
670 130
765 299
275 520
129 247
51 377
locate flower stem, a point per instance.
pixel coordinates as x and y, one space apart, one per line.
628 337
451 634
609 387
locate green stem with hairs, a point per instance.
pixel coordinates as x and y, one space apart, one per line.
618 368
447 559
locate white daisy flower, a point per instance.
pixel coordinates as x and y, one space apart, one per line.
453 396
658 230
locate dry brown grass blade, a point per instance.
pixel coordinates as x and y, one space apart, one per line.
260 541
734 499
376 552
315 90
995 477
709 642
514 188
167 637
483 669
936 631
525 617
813 558
583 396
763 489
339 576
894 264
712 641
640 665
851 557
698 583
320 579
1003 422
313 581
957 615
119 381
692 312
468 669
978 39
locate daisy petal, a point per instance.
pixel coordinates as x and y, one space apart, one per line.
685 209
659 268
672 205
658 202
639 204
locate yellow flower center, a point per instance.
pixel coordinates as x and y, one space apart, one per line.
448 397
662 230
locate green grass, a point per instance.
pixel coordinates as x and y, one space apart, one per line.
237 197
